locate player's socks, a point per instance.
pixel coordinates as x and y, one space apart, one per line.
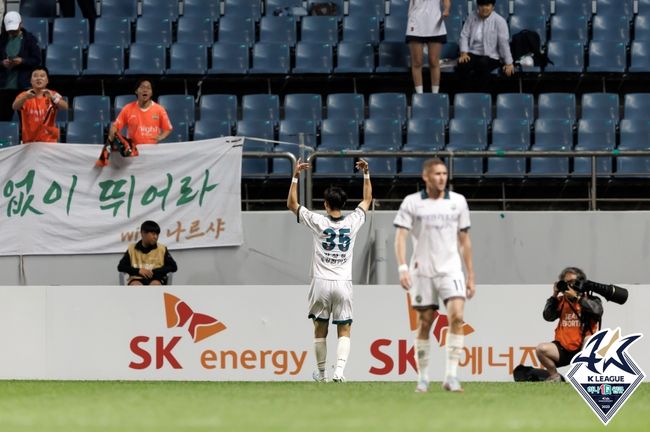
342 353
419 89
422 359
320 349
435 88
455 343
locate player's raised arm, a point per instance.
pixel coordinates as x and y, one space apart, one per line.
292 199
362 165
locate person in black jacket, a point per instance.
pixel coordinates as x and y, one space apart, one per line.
19 56
87 8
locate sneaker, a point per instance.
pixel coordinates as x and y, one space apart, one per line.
317 376
422 386
338 379
452 384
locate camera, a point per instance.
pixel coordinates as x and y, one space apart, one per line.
609 292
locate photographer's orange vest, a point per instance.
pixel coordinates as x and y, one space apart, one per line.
569 329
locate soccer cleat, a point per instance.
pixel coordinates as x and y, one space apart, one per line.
452 384
317 376
422 387
338 379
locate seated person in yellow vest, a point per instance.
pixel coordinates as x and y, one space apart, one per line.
147 262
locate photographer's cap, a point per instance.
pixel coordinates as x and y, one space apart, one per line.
12 21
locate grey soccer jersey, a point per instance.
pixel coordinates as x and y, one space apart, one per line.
333 242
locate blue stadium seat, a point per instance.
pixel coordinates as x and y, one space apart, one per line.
147 59
501 7
394 57
339 134
339 4
473 106
467 134
570 28
454 25
229 58
460 9
113 30
187 59
104 59
600 106
70 31
607 56
196 30
350 106
450 51
270 58
121 101
395 28
281 166
120 9
535 23
92 108
644 6
594 134
290 131
567 8
508 135
272 5
355 58
180 133
261 107
373 8
180 108
333 167
516 106
63 116
361 29
567 56
430 105
37 8
636 106
303 106
243 8
237 29
532 7
551 135
160 8
635 135
412 166
382 167
218 107
202 9
84 132
640 57
278 29
642 28
153 30
39 27
399 8
556 106
254 168
313 58
424 133
211 128
10 133
321 29
614 8
262 129
610 28
387 105
382 134
64 60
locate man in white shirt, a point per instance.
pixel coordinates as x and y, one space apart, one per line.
438 221
330 293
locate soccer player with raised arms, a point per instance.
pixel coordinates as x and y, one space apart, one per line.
330 293
438 221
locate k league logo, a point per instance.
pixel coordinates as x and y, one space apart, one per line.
604 374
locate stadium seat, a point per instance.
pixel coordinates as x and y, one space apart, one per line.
313 58
382 167
37 8
211 128
424 133
635 135
121 101
84 132
70 31
610 28
430 105
473 106
644 7
570 28
39 27
278 29
535 23
272 5
382 134
450 51
64 60
237 29
467 134
350 106
399 8
500 7
355 58
290 131
113 30
412 166
262 129
339 5
104 59
280 166
180 108
303 106
218 107
9 133
594 134
92 109
336 167
394 57
394 28
642 28
147 59
160 8
454 25
179 133
372 8
243 8
187 59
600 106
607 56
196 30
202 9
640 57
120 9
556 106
253 168
460 9
63 116
387 105
551 135
339 134
567 57
261 107
270 58
614 8
508 135
531 7
568 8
229 58
636 106
321 29
516 106
361 29
153 30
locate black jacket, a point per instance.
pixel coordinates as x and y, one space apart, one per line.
30 52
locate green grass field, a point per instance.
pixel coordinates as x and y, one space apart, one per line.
44 406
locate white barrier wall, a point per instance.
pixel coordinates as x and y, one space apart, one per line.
252 333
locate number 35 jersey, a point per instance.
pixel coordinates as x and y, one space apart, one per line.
333 242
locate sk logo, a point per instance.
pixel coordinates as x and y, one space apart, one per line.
604 374
178 313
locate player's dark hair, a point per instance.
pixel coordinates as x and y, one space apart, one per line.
150 227
41 68
335 197
139 82
574 270
485 2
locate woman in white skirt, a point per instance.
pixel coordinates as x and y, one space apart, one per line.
426 26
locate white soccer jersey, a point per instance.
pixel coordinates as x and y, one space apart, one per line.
434 227
333 242
425 19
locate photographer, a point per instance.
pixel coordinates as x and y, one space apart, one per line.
579 315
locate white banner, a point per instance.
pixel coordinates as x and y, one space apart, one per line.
261 333
55 201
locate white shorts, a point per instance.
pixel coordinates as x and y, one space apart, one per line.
425 291
330 297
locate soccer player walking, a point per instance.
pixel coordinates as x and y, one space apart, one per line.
438 221
330 293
